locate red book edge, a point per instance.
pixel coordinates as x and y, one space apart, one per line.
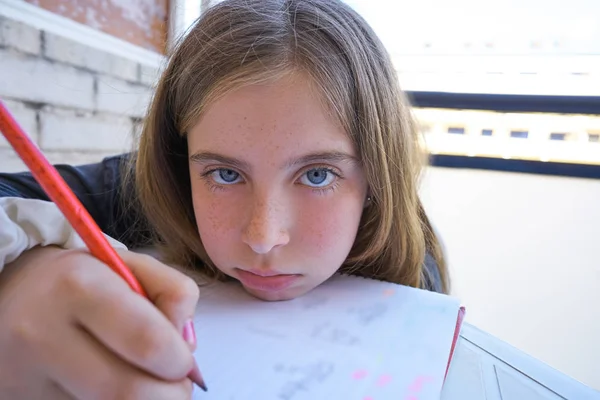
459 321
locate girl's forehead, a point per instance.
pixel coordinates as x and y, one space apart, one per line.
292 95
287 113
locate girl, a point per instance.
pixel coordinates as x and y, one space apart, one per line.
277 151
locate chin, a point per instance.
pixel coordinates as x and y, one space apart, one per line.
281 295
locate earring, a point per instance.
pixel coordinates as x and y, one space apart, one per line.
368 198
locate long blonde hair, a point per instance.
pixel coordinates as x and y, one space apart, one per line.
246 41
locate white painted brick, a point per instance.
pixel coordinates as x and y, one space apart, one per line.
69 130
149 75
19 36
123 68
33 79
77 158
122 98
10 161
25 117
68 51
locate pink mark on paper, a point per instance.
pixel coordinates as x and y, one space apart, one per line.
388 292
368 398
384 380
411 397
359 374
417 385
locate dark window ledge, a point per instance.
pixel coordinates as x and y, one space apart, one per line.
511 165
507 102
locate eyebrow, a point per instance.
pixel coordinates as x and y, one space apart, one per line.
326 156
207 156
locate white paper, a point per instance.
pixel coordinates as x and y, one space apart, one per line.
350 338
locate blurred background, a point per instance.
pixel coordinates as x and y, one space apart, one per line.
507 95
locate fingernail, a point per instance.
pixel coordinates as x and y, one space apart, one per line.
196 377
189 333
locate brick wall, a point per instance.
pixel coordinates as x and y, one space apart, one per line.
77 103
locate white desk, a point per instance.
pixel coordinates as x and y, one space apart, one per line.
485 368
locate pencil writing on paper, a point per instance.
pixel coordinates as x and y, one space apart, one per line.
359 374
416 387
369 313
302 378
384 380
329 333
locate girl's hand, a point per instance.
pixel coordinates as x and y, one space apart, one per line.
72 328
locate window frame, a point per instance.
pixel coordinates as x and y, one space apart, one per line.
510 103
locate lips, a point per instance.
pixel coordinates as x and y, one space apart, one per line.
266 280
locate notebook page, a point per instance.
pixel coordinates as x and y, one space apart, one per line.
350 338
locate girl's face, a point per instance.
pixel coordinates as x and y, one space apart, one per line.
277 189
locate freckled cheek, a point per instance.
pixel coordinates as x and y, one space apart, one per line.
325 229
215 219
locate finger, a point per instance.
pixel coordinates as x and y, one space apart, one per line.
87 370
128 323
39 387
54 391
171 291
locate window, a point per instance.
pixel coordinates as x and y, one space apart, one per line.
454 130
514 80
519 134
558 136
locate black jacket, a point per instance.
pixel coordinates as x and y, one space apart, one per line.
98 188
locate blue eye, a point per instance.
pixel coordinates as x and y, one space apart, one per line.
318 177
224 176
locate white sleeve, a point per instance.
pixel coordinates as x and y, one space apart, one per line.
26 223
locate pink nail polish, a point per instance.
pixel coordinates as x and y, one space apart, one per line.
189 333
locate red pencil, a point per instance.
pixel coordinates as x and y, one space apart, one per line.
60 193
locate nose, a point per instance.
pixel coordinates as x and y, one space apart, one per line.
266 229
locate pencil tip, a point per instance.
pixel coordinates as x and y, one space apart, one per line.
196 377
